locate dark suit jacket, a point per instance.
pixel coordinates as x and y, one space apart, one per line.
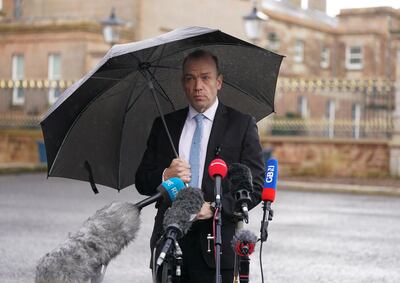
237 137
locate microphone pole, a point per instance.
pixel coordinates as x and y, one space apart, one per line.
268 195
217 171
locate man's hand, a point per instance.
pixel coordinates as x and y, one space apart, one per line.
205 212
178 168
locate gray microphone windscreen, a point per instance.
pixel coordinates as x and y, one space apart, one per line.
245 236
188 202
240 177
244 242
96 243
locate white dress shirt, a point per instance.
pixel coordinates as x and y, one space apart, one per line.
185 140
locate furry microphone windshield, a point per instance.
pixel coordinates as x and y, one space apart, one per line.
187 204
101 238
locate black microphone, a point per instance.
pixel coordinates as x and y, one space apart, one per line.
167 191
179 218
241 182
243 243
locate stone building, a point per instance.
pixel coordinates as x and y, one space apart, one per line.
43 42
46 41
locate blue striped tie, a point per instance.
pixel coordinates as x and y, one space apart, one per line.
194 158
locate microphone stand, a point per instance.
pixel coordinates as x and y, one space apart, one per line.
171 267
241 267
264 222
218 238
239 225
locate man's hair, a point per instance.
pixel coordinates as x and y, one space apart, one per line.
201 53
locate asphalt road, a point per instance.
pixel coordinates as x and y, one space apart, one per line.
314 237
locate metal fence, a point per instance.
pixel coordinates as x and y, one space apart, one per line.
335 108
23 102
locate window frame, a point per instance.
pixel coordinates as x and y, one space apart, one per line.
18 95
350 55
303 106
299 48
54 92
325 57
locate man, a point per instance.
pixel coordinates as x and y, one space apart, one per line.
215 128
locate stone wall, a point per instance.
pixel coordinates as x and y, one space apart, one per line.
330 157
297 155
19 147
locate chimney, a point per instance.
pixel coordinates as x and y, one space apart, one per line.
319 5
296 3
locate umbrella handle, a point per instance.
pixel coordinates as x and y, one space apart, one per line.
153 92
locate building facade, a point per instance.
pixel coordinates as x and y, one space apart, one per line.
330 64
45 45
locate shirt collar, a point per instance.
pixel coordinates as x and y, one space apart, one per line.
209 113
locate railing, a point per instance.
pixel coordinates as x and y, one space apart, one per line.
374 99
377 129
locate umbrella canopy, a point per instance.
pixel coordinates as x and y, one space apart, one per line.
97 129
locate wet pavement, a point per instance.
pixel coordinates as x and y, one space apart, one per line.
314 237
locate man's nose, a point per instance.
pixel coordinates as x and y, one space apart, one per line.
198 84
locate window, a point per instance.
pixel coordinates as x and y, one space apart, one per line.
273 41
354 58
54 74
303 107
299 51
325 57
18 96
330 117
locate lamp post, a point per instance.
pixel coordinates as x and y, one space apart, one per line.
253 23
111 28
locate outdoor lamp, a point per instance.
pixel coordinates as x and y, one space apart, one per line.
252 23
111 28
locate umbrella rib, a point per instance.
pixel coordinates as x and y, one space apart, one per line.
246 93
73 124
105 78
152 89
210 44
131 104
163 92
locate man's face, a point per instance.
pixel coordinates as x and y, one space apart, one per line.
201 82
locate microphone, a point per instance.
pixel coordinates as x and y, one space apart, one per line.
243 244
179 218
241 187
167 191
217 171
271 177
85 253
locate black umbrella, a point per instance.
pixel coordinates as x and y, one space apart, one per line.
97 130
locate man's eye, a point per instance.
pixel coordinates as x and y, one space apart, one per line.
205 78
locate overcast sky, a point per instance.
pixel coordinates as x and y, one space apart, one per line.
334 6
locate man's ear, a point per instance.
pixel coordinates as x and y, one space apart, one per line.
220 79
